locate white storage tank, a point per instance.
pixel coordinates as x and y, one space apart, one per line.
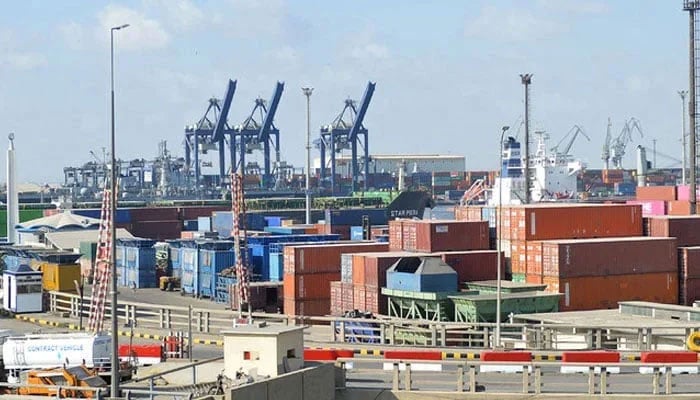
56 350
21 289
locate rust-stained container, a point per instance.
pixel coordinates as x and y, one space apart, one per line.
609 256
678 207
158 230
570 221
368 298
604 292
396 234
323 257
689 262
307 307
667 193
688 291
474 265
154 214
534 258
686 229
309 286
436 235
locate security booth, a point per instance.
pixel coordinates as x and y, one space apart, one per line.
21 288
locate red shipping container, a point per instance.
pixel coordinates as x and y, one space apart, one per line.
359 297
609 256
604 292
396 234
358 269
666 193
376 264
158 230
309 286
475 265
679 207
689 291
154 214
307 307
534 258
570 221
650 207
518 256
325 257
689 262
686 229
435 235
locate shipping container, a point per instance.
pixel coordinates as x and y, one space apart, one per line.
204 224
356 233
688 291
60 277
650 207
309 286
608 256
604 292
346 268
307 307
686 229
155 214
323 258
396 234
683 193
534 258
679 207
664 193
354 216
436 235
474 265
157 230
570 221
689 262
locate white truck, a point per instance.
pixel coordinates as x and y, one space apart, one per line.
55 350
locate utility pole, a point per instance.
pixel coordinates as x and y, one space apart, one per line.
654 142
526 80
307 92
683 93
691 6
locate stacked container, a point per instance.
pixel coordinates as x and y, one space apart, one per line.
139 260
213 257
433 235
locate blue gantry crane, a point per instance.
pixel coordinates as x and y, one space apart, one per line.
258 134
210 133
346 132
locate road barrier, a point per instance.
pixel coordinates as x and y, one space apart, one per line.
568 358
670 357
492 361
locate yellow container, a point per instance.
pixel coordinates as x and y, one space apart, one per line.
60 277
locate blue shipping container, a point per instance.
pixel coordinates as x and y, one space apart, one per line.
353 216
204 224
141 258
355 233
191 225
273 221
189 261
140 278
276 269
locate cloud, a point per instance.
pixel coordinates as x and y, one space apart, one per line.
574 6
74 35
23 60
143 33
179 14
510 25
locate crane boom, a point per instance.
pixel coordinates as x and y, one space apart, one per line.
366 98
270 114
218 133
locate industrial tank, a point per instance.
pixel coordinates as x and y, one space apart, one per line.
56 350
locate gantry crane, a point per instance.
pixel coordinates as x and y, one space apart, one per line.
209 134
623 139
259 135
350 134
574 132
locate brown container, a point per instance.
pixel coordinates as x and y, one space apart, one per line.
518 256
534 258
307 307
667 193
376 264
396 234
358 269
154 214
686 229
689 291
324 257
375 302
689 262
604 292
342 230
359 301
678 207
609 256
571 221
309 286
435 235
468 213
158 230
475 265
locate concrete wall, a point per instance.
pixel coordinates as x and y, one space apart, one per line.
314 383
269 349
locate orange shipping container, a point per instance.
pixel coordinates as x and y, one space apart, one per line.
435 235
309 286
396 234
570 221
536 279
323 258
358 269
307 307
678 207
667 193
534 258
604 292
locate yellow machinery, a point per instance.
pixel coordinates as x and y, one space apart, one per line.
78 376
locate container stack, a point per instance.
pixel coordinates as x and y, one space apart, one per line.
200 265
663 200
308 271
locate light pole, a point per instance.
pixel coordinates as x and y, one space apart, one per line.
683 93
307 92
497 340
113 253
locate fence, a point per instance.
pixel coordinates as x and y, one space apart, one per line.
396 331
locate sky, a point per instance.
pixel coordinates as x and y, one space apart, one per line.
447 73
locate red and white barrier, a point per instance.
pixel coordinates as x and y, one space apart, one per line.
670 357
410 355
141 354
501 360
589 357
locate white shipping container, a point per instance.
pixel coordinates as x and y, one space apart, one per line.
56 350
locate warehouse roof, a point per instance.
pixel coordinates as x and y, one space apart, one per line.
69 240
59 221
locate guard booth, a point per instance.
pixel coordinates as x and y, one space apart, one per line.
22 292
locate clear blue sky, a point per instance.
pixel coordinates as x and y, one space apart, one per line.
446 72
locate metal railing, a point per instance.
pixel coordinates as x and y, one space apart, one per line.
392 331
530 378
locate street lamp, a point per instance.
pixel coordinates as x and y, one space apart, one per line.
113 233
497 340
683 93
307 92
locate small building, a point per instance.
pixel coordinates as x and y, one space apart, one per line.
22 291
263 350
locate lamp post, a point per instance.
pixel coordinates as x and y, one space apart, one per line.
307 92
113 253
683 93
497 340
